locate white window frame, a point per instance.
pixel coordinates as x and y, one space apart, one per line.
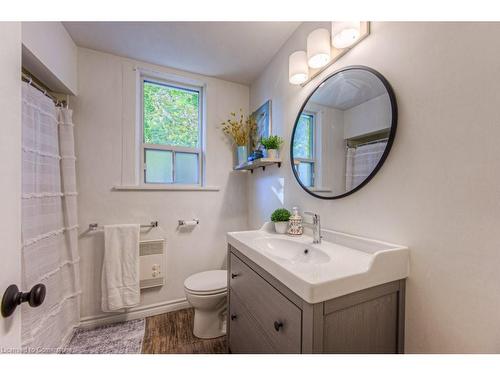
313 160
181 83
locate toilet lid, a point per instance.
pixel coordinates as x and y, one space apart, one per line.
208 281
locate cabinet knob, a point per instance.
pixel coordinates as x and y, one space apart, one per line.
233 316
278 325
234 275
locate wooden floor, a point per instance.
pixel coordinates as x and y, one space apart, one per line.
173 333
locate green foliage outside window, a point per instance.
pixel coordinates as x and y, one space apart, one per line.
171 115
303 139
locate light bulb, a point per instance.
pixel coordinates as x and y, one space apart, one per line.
318 48
298 71
345 34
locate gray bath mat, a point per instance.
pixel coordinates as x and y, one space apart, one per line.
119 338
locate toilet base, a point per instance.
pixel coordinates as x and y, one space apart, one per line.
207 293
209 324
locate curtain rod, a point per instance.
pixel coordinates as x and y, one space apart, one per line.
31 81
369 142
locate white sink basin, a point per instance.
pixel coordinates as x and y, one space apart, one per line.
340 265
285 250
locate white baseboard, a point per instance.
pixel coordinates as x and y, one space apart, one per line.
134 313
67 338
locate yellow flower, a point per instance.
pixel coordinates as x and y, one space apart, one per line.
238 130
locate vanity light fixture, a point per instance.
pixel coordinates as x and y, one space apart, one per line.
345 34
323 50
318 48
298 71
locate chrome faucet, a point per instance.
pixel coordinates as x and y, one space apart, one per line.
316 224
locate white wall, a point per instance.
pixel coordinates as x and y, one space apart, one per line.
439 190
104 114
10 170
369 117
50 54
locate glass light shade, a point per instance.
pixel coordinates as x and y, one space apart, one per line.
345 34
318 48
298 71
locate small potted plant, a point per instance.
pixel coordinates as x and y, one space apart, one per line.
280 219
272 145
239 130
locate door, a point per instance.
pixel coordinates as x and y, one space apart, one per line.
10 174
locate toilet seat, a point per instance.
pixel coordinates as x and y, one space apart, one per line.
207 283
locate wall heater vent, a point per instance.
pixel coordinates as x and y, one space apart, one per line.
152 263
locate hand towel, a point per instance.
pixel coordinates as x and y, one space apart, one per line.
120 270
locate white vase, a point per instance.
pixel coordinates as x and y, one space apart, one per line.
281 226
272 154
242 154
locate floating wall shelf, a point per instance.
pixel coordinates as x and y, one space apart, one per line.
259 163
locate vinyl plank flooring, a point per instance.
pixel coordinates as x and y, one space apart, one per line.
173 333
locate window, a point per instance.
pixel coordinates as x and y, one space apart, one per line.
303 148
172 129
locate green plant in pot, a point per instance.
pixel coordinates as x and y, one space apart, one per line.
280 219
271 145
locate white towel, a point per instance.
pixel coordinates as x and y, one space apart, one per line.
120 270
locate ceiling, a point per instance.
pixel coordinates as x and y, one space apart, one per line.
348 89
233 51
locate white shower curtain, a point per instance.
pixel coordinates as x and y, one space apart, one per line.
360 162
49 222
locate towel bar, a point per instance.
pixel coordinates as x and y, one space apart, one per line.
95 226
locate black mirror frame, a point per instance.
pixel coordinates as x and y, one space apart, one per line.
392 134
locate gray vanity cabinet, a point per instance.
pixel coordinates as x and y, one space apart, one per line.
266 317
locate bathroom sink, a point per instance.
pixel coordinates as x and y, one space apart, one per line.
340 265
285 250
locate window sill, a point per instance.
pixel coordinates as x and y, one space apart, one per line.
160 187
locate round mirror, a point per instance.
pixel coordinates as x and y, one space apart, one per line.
343 132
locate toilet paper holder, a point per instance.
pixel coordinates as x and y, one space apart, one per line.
186 222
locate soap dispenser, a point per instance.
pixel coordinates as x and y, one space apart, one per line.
295 227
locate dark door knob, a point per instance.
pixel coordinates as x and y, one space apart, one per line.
234 275
13 298
278 325
233 316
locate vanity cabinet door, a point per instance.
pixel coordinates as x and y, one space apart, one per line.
279 318
245 336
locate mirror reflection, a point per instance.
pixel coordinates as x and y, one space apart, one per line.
342 132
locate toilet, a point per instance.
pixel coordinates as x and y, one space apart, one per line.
207 293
